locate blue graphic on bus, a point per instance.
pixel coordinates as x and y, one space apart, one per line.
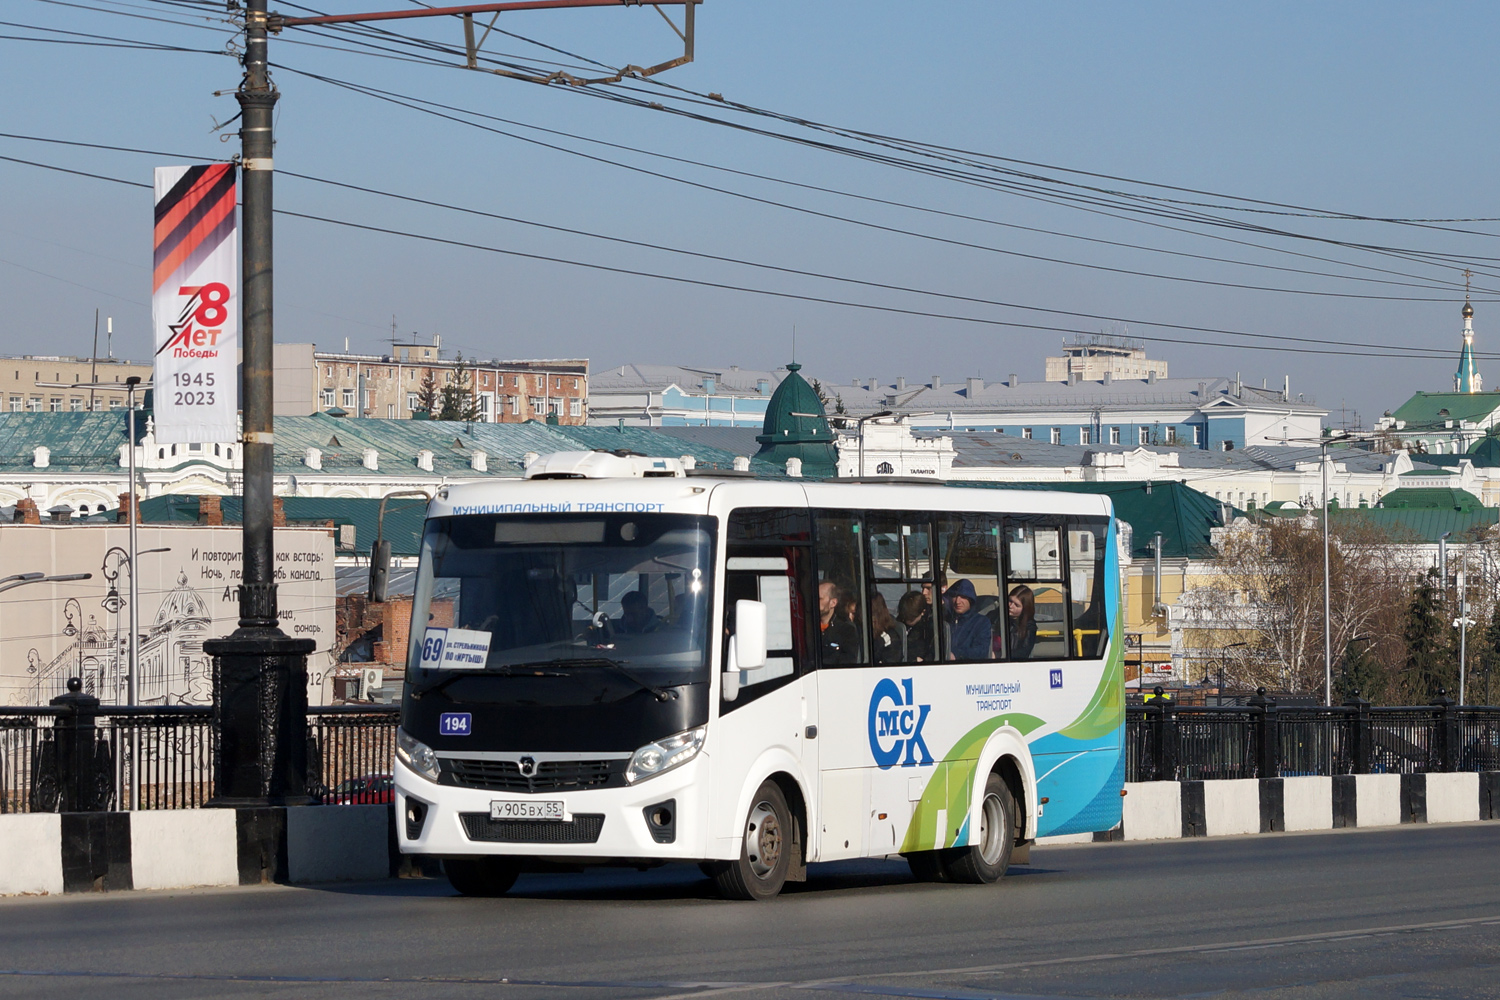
1057 678
456 724
897 727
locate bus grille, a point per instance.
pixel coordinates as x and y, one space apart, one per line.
551 775
584 829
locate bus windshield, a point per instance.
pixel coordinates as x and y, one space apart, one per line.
564 594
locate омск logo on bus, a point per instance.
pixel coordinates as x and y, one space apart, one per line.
896 722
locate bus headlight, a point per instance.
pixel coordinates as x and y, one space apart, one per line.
663 755
417 755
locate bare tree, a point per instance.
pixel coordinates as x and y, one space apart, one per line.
1269 596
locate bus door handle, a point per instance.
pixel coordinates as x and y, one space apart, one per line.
811 732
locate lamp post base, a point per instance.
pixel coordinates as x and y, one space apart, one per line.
260 716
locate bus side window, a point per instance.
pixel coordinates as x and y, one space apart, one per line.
971 607
901 619
1034 580
842 613
1086 541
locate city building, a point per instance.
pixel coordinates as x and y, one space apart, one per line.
674 396
34 383
1447 423
390 386
1090 357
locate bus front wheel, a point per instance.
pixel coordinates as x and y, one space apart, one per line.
766 855
986 859
481 876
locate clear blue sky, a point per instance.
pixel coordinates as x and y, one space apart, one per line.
1376 109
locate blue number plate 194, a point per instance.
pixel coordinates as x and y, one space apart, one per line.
456 724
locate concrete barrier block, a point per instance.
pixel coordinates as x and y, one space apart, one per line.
1232 807
1453 798
1307 803
176 848
1153 810
1065 838
336 843
31 849
1377 799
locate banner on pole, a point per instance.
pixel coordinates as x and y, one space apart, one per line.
195 304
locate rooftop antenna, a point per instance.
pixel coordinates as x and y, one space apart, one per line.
794 341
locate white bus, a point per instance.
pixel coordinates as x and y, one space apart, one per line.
617 662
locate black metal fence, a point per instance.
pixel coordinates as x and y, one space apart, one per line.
1167 742
82 757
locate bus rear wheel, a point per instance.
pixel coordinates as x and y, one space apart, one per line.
766 855
482 876
986 860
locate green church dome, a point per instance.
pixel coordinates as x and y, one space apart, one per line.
795 427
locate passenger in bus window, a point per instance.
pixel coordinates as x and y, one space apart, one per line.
887 635
636 616
1021 606
971 633
913 612
840 640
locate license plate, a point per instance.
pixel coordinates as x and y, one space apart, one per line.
527 810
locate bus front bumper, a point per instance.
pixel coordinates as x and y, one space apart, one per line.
610 824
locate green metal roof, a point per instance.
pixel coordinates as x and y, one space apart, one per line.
1183 515
1422 410
1431 498
646 441
796 427
1424 524
403 516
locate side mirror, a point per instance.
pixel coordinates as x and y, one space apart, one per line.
749 634
747 647
380 570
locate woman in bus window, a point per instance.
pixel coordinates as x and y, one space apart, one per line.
1021 606
887 635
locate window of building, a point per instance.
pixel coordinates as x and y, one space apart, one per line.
1085 436
515 405
34 404
1227 444
575 383
537 405
115 404
348 398
412 400
1144 435
57 404
555 406
1114 435
330 371
1197 435
575 408
195 448
76 404
327 397
1057 435
15 404
390 411
1026 433
557 384
1171 435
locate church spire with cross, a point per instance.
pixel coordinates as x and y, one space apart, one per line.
1466 379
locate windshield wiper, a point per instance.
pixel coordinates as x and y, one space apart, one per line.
506 671
618 666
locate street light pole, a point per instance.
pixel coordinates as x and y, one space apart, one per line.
133 640
1327 585
259 674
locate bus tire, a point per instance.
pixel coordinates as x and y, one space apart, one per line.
928 866
987 860
766 854
481 876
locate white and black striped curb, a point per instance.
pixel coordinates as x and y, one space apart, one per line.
177 848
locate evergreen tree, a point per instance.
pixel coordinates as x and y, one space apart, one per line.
1489 656
456 400
1429 652
427 397
817 387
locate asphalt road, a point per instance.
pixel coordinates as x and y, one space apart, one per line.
1409 912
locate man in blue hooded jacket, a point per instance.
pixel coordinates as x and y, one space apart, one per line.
970 634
